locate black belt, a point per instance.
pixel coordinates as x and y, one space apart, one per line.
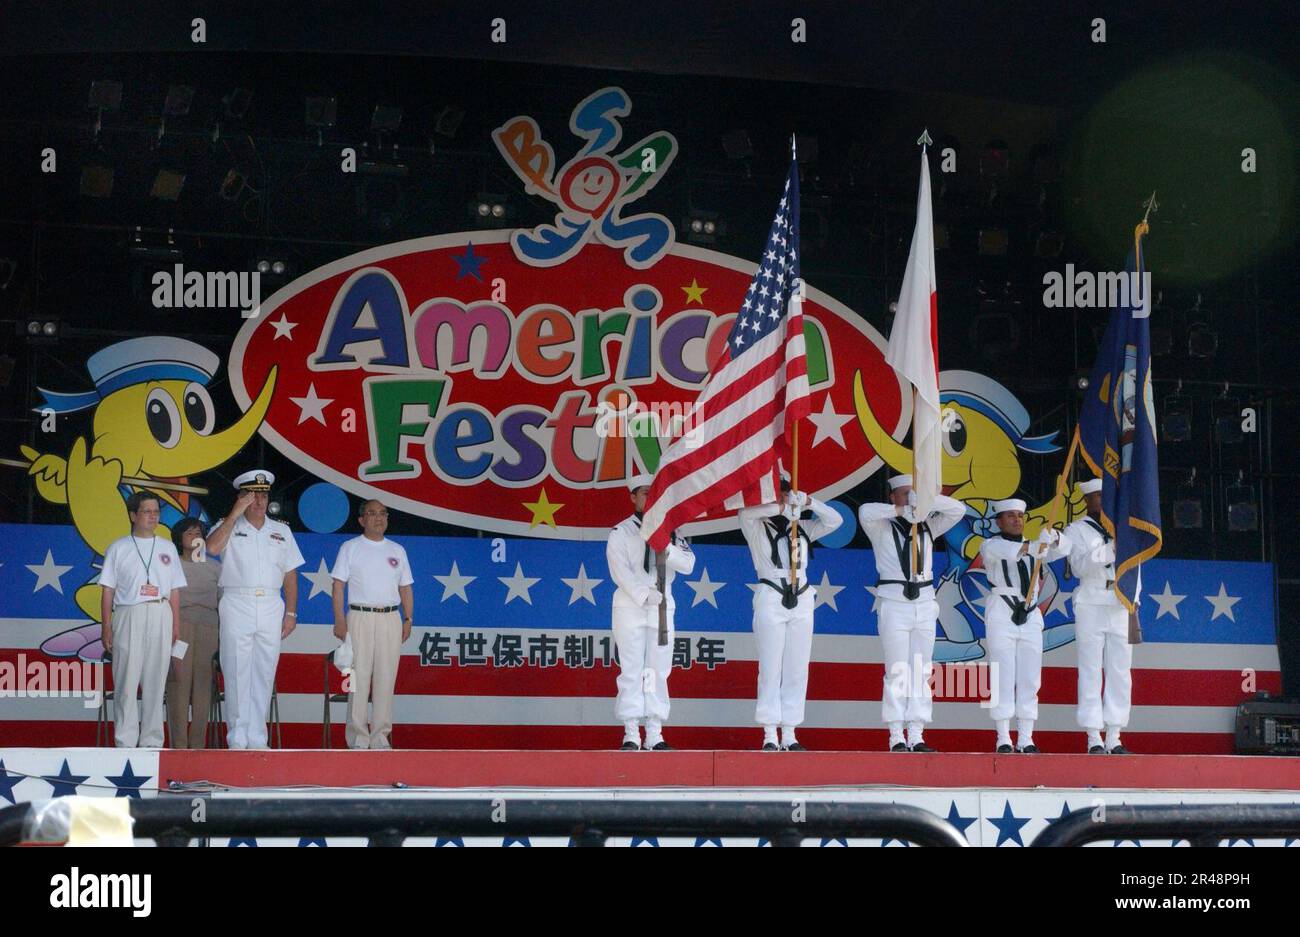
781 589
911 590
374 608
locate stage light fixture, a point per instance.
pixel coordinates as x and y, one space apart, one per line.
178 101
702 227
233 185
97 181
105 95
236 102
993 242
490 210
386 118
1202 341
40 331
322 111
1081 381
167 185
1177 423
1243 511
448 121
737 145
1188 514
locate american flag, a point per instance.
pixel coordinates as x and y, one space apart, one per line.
757 392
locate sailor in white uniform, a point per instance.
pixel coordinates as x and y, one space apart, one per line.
644 664
783 612
1100 629
258 557
1013 623
907 611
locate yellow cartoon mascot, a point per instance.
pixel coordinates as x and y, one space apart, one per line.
984 428
153 427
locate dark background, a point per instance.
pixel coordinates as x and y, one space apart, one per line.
1059 140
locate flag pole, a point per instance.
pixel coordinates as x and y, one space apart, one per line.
922 141
794 466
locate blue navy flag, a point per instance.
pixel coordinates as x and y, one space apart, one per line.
1117 430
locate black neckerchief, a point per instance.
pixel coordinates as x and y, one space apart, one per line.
1106 537
777 528
901 529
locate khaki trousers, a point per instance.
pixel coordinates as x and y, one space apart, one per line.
189 686
376 650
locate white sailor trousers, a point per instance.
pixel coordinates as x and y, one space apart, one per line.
643 666
1101 637
250 653
907 632
784 641
1016 656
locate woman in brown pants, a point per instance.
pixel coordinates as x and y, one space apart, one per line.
189 681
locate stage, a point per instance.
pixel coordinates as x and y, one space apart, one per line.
992 800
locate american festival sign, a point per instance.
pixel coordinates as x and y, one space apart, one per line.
511 381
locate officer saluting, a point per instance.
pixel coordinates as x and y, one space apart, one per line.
644 664
1100 630
908 610
1013 622
783 608
258 557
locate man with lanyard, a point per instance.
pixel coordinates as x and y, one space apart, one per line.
644 664
376 573
141 620
1013 622
258 557
907 607
783 608
1101 629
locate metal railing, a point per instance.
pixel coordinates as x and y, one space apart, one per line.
1199 824
175 821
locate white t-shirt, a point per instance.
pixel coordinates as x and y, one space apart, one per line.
258 559
141 569
373 569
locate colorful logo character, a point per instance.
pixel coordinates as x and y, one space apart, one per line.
592 189
153 421
984 428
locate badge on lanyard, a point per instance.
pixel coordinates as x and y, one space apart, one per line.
149 591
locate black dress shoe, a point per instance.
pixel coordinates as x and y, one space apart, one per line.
770 747
1096 750
1004 750
922 747
661 747
898 747
630 746
1118 750
794 747
1030 749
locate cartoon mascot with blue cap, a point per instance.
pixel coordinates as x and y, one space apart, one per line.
153 427
985 427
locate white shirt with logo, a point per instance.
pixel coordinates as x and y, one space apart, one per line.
141 569
373 570
258 559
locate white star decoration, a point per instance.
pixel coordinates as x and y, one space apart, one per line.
312 407
49 574
705 590
1223 603
581 587
321 581
829 424
1058 602
283 328
518 585
454 583
1168 602
826 592
875 599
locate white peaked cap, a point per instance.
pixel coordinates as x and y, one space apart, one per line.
1090 486
1010 504
640 481
899 481
255 480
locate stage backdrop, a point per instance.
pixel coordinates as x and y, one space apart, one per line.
510 382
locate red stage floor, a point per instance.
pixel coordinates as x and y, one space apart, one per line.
727 769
